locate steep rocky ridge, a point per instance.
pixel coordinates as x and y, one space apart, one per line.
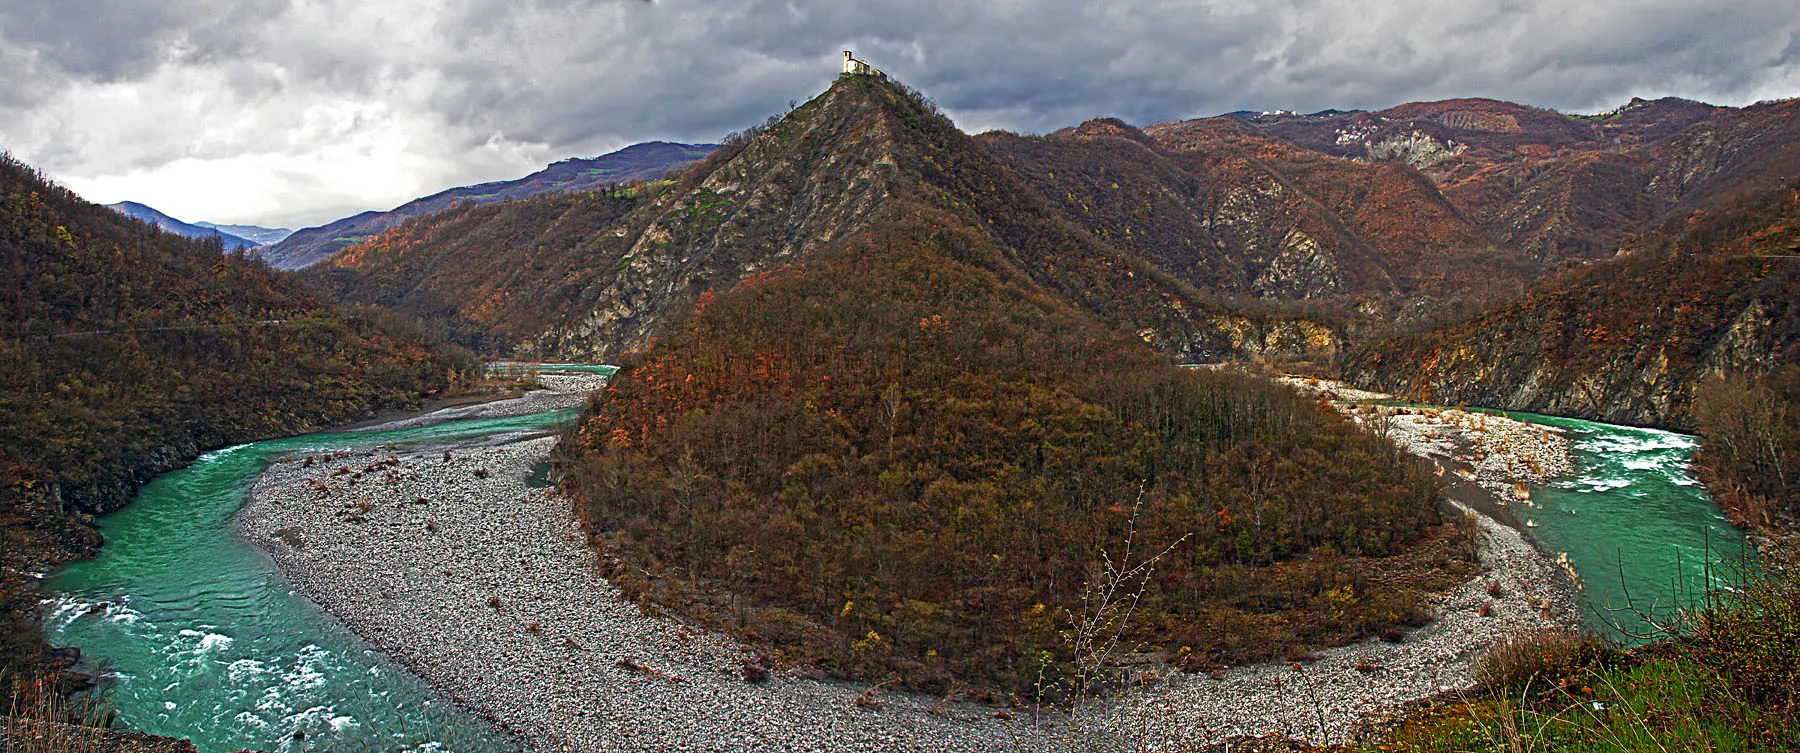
638 162
1316 226
592 276
1625 340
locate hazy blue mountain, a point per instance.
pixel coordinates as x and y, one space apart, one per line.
149 214
262 235
647 162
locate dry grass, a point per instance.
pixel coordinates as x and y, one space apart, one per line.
1538 654
40 720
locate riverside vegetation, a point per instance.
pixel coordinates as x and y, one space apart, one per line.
127 351
1724 678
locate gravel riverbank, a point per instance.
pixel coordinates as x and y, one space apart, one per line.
484 586
558 391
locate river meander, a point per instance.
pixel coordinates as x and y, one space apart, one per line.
206 640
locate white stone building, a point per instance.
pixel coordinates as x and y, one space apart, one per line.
854 67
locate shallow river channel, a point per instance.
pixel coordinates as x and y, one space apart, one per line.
1642 534
206 640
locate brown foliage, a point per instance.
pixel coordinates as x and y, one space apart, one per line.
1751 455
125 351
890 462
1542 656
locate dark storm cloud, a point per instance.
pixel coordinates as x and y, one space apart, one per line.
110 39
336 103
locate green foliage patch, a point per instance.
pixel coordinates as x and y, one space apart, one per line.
1728 685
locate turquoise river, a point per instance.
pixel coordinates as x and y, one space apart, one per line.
1640 531
204 639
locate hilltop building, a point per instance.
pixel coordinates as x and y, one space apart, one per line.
854 67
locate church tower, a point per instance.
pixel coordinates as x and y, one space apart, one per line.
854 67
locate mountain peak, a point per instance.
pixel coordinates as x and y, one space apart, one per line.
1100 128
151 215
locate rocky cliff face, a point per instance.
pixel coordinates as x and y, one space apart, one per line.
1624 341
591 277
1235 212
819 174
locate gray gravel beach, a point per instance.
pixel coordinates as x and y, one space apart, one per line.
486 588
558 391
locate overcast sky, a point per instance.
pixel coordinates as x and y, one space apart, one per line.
298 112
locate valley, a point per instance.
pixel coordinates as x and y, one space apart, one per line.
1108 438
479 566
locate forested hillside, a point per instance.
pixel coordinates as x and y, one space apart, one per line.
536 276
900 454
125 351
1625 340
491 276
637 163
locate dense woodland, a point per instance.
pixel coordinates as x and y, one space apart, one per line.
907 456
126 351
1752 452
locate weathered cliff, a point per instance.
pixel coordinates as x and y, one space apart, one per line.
1625 340
593 276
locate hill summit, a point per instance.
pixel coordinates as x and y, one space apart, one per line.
895 407
591 276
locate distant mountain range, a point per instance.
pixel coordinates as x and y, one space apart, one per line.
639 162
233 241
1247 236
262 235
